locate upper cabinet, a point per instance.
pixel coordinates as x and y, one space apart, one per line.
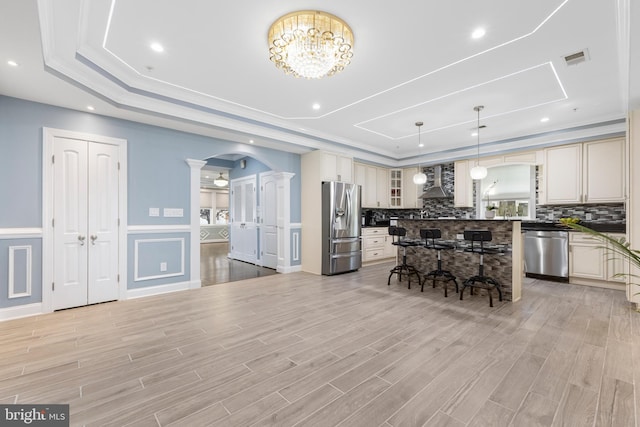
333 166
462 185
411 191
604 171
374 182
395 188
592 172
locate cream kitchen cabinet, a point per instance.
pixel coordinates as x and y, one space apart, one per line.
410 191
591 262
395 188
332 166
592 172
462 184
374 182
376 244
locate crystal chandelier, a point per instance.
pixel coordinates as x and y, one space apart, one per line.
420 178
310 44
478 172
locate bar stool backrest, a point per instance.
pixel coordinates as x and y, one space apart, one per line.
398 232
430 234
477 236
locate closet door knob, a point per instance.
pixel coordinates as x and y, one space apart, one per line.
93 239
82 238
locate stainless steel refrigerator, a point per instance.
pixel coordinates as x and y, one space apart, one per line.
341 241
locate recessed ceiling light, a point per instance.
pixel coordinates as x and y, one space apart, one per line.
157 47
474 134
421 145
544 119
478 33
251 141
12 63
316 106
206 176
90 107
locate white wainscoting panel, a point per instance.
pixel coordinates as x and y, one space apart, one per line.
137 277
12 271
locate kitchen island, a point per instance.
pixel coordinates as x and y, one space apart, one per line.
506 266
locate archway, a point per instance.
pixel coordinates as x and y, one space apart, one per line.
267 171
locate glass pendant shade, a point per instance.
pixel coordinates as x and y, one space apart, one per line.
419 178
221 181
478 172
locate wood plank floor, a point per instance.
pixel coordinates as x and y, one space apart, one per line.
345 350
216 267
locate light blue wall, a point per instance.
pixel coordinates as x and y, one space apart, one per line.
158 175
157 172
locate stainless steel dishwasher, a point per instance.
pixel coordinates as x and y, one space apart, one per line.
546 254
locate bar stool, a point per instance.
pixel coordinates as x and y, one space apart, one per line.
430 235
404 268
477 239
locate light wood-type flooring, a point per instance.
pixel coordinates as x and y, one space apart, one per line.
346 350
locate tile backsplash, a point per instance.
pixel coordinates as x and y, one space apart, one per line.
434 208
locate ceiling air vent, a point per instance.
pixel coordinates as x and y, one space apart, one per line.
577 58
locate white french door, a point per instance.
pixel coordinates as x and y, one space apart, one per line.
269 221
244 233
85 222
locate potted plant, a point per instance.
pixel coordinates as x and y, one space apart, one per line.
618 246
491 212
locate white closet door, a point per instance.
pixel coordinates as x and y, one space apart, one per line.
103 223
269 223
70 223
86 223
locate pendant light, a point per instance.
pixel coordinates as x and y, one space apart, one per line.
420 178
478 172
221 181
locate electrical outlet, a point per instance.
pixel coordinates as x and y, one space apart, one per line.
550 216
154 211
163 266
589 217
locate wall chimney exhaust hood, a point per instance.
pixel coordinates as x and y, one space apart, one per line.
436 192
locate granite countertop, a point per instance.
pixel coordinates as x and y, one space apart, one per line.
458 219
603 227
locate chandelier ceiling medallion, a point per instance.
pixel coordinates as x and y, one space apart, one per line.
310 44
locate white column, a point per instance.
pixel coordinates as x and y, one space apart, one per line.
194 220
283 185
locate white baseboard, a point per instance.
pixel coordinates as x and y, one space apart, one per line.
157 290
290 269
21 311
195 284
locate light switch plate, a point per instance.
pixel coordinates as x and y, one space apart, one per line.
154 211
589 217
